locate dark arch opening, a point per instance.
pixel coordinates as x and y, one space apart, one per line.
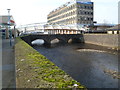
74 40
70 40
38 42
54 41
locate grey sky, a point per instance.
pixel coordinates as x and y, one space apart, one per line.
35 11
119 12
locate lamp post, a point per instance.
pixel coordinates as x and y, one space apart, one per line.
10 36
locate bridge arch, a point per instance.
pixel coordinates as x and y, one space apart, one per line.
38 42
56 40
49 38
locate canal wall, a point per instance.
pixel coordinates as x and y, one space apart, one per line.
109 40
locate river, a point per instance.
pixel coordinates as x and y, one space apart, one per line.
91 65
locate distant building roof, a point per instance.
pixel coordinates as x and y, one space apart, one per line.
117 27
102 24
4 20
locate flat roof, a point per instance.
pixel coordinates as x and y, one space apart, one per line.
117 27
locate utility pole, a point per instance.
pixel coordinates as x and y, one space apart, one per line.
10 33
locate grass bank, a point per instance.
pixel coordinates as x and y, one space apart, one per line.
34 70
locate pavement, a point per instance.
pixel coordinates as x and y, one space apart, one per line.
7 68
0 63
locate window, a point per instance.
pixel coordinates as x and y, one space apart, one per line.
88 19
87 7
79 12
82 18
81 7
88 13
85 18
91 18
91 7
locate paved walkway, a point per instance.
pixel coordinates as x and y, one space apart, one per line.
8 65
0 63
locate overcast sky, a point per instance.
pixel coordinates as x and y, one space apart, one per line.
36 11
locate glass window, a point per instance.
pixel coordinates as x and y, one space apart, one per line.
91 7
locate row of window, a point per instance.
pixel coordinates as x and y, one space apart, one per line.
63 16
72 13
79 6
72 22
85 19
85 13
62 20
81 19
84 7
62 11
71 7
65 20
85 22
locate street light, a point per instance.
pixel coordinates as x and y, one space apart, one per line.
10 36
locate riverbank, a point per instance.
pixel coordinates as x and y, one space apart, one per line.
86 63
33 70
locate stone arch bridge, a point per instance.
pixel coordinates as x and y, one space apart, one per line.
64 38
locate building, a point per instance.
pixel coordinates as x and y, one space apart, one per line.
114 30
7 24
100 26
75 12
4 20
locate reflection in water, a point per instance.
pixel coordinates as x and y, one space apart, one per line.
86 63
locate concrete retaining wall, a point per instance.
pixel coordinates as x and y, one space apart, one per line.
109 40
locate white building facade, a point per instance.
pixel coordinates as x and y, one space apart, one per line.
74 13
